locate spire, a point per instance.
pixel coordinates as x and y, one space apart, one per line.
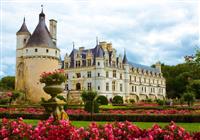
42 8
23 28
125 60
73 44
42 15
97 41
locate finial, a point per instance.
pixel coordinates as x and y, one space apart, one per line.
42 7
97 41
24 19
124 51
73 44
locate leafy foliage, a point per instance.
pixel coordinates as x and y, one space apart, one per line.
88 95
117 100
189 98
88 107
102 100
7 83
179 77
194 86
91 104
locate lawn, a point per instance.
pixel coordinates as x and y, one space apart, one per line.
191 127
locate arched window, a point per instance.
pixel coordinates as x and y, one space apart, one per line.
78 86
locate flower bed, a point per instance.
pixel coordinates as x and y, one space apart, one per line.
26 110
109 115
139 111
61 130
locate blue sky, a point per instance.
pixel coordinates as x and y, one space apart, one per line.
150 30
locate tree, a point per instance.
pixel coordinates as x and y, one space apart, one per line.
178 78
89 98
197 56
194 86
8 83
189 98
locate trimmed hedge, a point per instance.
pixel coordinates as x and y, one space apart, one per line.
137 118
88 107
114 117
117 100
102 100
149 107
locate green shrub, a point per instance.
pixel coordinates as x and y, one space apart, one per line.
117 100
88 95
102 100
16 94
160 102
4 101
132 101
181 100
88 107
189 97
148 100
91 104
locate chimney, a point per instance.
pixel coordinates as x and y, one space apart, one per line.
53 29
158 66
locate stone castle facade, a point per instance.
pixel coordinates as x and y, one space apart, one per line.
99 68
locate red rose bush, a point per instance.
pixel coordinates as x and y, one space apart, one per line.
64 130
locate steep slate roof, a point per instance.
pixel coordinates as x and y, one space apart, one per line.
41 36
98 51
135 65
23 28
125 60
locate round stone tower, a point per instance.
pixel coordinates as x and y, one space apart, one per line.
36 53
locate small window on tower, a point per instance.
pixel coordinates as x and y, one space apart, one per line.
24 40
56 52
47 50
26 50
36 50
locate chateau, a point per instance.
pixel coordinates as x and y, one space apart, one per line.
99 68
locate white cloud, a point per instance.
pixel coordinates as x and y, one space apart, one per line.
149 30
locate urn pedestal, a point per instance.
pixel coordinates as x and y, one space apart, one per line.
55 106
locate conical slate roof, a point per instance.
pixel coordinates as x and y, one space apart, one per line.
98 51
41 36
125 60
23 28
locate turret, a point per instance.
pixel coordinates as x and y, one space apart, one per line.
126 74
22 35
53 29
125 60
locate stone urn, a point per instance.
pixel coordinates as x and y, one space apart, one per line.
53 90
55 106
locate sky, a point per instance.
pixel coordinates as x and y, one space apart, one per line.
149 30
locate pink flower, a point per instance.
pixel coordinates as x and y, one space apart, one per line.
9 94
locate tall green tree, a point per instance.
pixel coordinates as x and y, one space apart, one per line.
194 86
8 83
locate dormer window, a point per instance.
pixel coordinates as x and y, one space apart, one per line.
89 62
